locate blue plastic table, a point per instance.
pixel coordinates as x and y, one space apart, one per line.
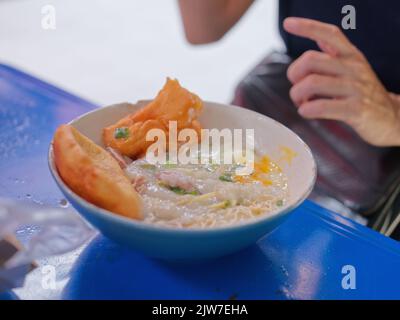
302 259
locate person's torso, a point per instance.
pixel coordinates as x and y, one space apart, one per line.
376 34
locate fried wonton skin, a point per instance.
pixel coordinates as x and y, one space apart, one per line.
173 103
92 173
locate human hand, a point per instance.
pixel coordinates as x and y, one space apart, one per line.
339 84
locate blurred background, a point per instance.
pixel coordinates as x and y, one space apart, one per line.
113 51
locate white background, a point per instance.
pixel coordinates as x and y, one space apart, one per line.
110 51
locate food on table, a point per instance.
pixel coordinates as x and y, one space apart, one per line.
173 103
92 173
119 178
210 195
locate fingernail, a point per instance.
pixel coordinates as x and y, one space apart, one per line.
302 112
289 23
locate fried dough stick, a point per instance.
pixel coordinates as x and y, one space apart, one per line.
173 103
92 173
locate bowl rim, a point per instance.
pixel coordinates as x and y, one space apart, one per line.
169 229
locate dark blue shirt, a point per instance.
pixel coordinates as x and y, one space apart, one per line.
377 32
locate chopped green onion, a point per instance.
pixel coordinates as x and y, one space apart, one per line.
227 204
177 190
226 178
181 191
121 133
279 203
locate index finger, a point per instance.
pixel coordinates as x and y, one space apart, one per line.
328 36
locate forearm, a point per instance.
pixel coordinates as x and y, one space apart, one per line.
208 20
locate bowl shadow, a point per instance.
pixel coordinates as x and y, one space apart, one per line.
107 270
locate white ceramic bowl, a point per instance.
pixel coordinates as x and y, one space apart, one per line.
271 138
